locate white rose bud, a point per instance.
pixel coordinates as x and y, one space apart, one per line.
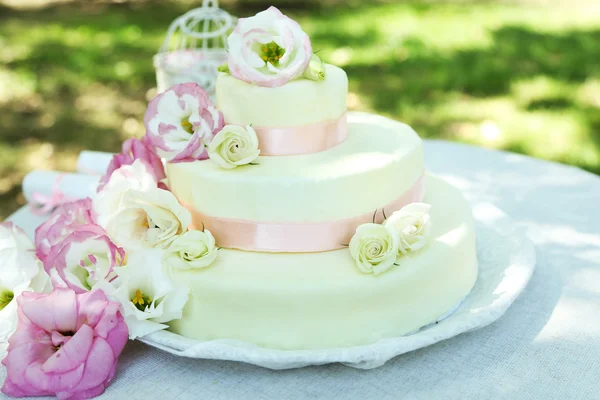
234 146
374 247
412 224
193 249
315 70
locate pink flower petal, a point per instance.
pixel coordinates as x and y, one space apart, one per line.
57 311
99 366
85 394
72 354
92 309
18 361
35 377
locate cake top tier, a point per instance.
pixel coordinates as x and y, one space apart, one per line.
273 82
299 102
270 49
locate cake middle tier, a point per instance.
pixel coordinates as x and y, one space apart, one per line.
380 161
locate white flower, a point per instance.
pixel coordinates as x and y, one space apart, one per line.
234 146
193 249
268 49
412 223
20 270
152 218
149 297
374 247
129 177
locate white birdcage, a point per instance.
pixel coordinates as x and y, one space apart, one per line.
195 46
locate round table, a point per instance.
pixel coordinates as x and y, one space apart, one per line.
546 346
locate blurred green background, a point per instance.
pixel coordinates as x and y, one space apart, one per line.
520 75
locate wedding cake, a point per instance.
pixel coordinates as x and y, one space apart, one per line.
285 277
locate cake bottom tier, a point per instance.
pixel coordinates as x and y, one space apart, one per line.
321 300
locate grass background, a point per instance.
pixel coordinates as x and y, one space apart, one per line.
520 75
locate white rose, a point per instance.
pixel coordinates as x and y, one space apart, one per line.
193 249
374 247
153 218
20 270
145 290
412 223
129 177
234 146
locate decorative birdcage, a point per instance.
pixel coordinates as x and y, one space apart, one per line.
195 46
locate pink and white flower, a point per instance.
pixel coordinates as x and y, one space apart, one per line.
135 149
66 344
20 270
181 121
63 221
83 258
268 49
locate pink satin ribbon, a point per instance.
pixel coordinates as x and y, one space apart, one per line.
303 139
42 204
296 237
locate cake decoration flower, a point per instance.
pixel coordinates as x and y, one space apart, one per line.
82 258
135 149
148 296
150 218
181 121
66 344
109 199
63 221
192 249
374 248
268 49
412 223
20 270
315 70
234 146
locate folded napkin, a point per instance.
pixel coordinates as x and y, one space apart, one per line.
93 162
45 190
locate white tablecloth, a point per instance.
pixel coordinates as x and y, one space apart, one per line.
547 346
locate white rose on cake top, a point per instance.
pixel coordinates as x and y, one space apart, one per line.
412 223
268 49
145 291
20 270
234 146
181 121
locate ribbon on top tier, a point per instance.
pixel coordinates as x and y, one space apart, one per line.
292 237
302 139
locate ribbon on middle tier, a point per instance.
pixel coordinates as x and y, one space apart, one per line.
302 139
297 237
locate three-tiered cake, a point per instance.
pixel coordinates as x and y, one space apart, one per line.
285 278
